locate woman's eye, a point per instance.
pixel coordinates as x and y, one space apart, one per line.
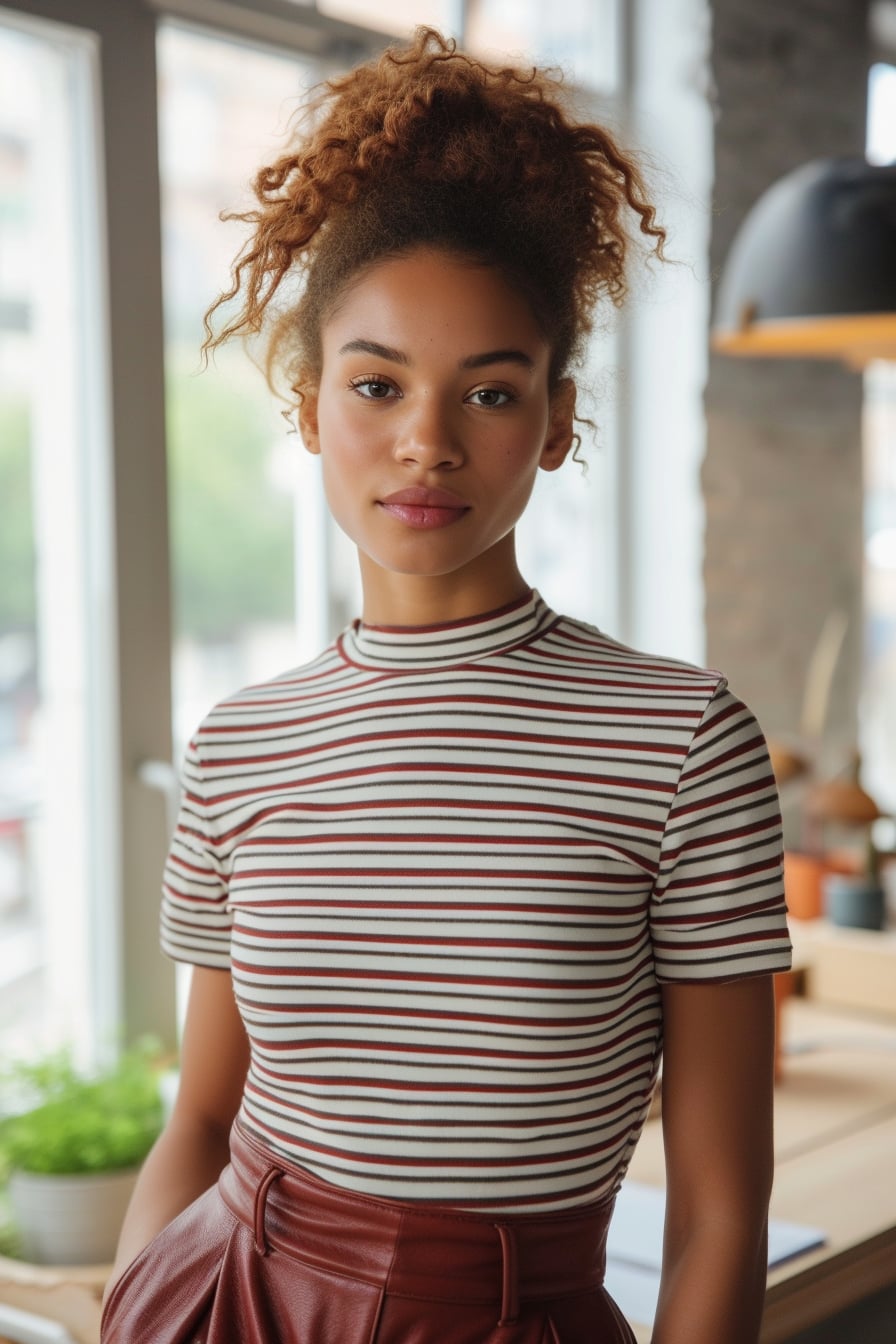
373 389
490 397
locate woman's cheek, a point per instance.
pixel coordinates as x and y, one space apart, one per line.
347 434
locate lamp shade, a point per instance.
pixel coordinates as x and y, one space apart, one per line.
812 270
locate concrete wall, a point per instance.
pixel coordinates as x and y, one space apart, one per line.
782 475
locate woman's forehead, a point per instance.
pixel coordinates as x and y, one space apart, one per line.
433 299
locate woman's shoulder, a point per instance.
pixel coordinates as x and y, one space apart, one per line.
270 699
591 646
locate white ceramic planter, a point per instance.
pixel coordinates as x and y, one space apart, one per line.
70 1220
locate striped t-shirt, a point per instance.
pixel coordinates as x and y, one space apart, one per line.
449 868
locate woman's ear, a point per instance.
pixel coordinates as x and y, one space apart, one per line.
561 431
307 416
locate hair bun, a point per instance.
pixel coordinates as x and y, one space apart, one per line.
429 146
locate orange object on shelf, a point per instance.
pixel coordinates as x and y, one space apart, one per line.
802 884
804 876
842 800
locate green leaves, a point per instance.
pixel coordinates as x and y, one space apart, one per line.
231 528
79 1123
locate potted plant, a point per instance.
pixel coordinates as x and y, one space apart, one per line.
73 1148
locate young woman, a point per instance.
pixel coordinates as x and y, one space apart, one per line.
450 888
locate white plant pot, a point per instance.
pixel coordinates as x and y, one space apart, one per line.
70 1220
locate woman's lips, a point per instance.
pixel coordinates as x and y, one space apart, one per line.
422 508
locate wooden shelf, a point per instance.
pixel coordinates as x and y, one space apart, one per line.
848 968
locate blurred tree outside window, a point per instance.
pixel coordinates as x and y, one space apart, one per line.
224 110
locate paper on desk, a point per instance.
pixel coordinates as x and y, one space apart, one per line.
635 1248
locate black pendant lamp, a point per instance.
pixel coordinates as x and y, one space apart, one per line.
812 270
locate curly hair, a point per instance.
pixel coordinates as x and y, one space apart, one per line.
426 146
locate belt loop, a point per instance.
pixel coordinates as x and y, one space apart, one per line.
261 1199
510 1295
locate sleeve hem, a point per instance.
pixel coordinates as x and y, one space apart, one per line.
720 975
209 961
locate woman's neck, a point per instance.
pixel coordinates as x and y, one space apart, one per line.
417 600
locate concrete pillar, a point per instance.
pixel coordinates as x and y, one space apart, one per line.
783 470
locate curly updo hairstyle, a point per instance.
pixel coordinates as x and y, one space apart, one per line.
426 146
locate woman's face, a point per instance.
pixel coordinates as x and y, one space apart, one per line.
432 417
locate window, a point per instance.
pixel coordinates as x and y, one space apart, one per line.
243 604
57 817
878 705
400 16
580 36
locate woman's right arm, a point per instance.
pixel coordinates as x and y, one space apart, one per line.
193 1149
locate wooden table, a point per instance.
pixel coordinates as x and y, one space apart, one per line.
70 1295
835 1164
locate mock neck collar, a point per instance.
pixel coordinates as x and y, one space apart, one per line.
413 648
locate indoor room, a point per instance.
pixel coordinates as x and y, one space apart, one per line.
727 503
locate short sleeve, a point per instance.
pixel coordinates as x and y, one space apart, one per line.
717 909
195 920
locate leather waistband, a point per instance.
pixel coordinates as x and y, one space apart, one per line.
429 1251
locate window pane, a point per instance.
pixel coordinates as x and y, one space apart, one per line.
399 17
878 707
879 673
881 138
581 36
234 467
55 694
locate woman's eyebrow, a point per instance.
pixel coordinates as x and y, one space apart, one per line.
498 357
364 347
374 348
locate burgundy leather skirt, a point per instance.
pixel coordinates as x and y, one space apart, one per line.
272 1255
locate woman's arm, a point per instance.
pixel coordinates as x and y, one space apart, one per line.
717 1132
193 1149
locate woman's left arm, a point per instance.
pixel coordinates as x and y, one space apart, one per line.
717 1132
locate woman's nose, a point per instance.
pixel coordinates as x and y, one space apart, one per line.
428 437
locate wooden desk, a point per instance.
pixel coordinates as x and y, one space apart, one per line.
835 1164
70 1296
